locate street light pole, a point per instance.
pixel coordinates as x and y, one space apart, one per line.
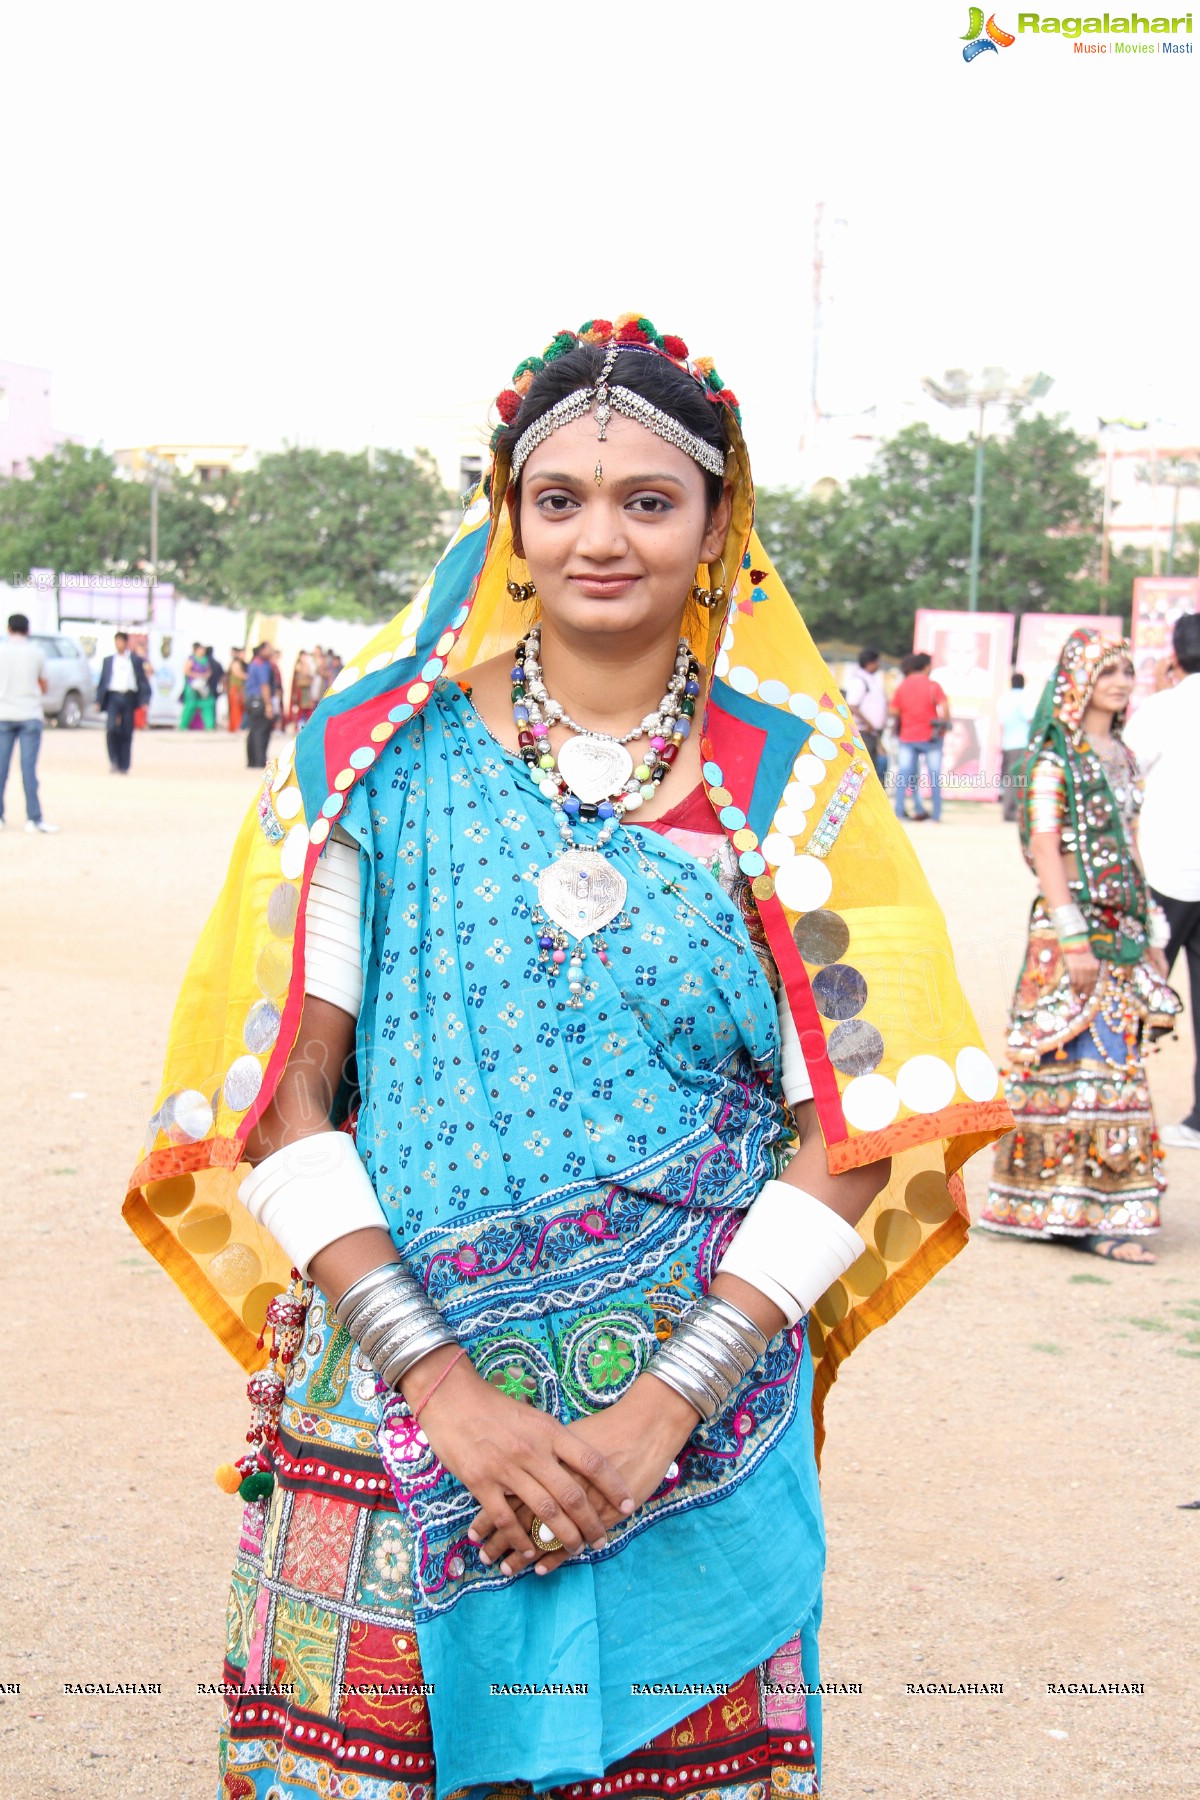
1177 472
976 518
956 388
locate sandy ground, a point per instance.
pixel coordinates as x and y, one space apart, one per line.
1014 1520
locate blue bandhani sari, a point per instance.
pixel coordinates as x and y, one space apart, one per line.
565 1182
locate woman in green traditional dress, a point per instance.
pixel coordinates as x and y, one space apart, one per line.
1084 1163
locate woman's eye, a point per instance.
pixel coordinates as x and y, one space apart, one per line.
650 503
555 503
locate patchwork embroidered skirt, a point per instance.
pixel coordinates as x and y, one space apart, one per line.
323 1680
1085 1157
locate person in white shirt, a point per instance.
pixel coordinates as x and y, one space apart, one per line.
867 700
124 686
22 684
1016 716
1164 735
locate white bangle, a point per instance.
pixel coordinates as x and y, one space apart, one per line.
310 1193
1158 931
794 1076
333 955
791 1247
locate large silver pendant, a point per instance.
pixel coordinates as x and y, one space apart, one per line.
581 892
594 768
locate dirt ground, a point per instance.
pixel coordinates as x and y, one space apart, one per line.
1014 1520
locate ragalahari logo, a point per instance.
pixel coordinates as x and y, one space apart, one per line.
974 40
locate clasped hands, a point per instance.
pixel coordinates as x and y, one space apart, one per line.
520 1463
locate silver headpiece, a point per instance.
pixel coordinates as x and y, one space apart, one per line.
602 401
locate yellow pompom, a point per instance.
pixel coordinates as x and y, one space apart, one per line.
227 1478
625 319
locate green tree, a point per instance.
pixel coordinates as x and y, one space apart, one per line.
348 534
899 537
73 513
193 531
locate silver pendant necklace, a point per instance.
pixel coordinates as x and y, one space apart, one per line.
581 893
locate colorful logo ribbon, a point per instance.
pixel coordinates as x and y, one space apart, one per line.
974 40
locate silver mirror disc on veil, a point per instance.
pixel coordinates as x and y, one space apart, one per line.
594 768
581 892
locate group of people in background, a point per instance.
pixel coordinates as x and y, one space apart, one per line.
261 702
1110 828
204 679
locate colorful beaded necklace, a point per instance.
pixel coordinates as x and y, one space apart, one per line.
594 778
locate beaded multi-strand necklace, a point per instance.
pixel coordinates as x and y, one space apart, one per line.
593 778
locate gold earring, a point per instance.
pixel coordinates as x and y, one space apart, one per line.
520 592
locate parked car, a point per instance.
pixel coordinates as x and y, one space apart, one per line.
70 685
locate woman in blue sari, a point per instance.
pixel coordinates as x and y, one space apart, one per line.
540 1405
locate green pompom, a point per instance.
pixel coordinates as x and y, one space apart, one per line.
257 1486
532 365
560 346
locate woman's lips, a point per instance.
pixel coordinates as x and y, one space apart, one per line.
602 587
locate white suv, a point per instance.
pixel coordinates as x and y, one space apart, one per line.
70 686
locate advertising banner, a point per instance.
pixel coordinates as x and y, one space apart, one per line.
971 654
1158 600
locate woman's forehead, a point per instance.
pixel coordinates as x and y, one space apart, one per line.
628 450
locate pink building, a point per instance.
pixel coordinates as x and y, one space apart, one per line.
25 428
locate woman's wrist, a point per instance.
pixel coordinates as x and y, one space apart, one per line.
418 1381
1069 925
659 1412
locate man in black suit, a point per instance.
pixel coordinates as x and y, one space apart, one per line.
124 686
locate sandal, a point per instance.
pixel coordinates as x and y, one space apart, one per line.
1109 1248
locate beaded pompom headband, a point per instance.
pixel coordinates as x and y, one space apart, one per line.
629 332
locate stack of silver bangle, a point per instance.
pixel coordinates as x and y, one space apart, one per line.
1069 924
392 1320
706 1356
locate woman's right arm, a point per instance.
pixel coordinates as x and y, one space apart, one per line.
1047 804
502 1450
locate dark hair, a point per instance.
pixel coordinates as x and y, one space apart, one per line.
1185 640
18 622
908 664
920 662
1018 679
120 637
865 657
656 378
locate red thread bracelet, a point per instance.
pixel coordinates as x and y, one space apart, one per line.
415 1411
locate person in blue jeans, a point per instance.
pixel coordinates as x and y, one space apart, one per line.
920 712
22 684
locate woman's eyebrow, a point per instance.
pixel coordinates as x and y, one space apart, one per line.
557 479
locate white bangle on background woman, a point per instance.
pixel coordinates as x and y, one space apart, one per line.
1158 929
791 1247
310 1193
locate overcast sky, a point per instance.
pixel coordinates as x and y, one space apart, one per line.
260 223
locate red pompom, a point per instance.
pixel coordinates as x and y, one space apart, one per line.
675 347
729 398
632 334
508 405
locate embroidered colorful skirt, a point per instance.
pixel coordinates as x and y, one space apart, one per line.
1085 1157
324 1687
